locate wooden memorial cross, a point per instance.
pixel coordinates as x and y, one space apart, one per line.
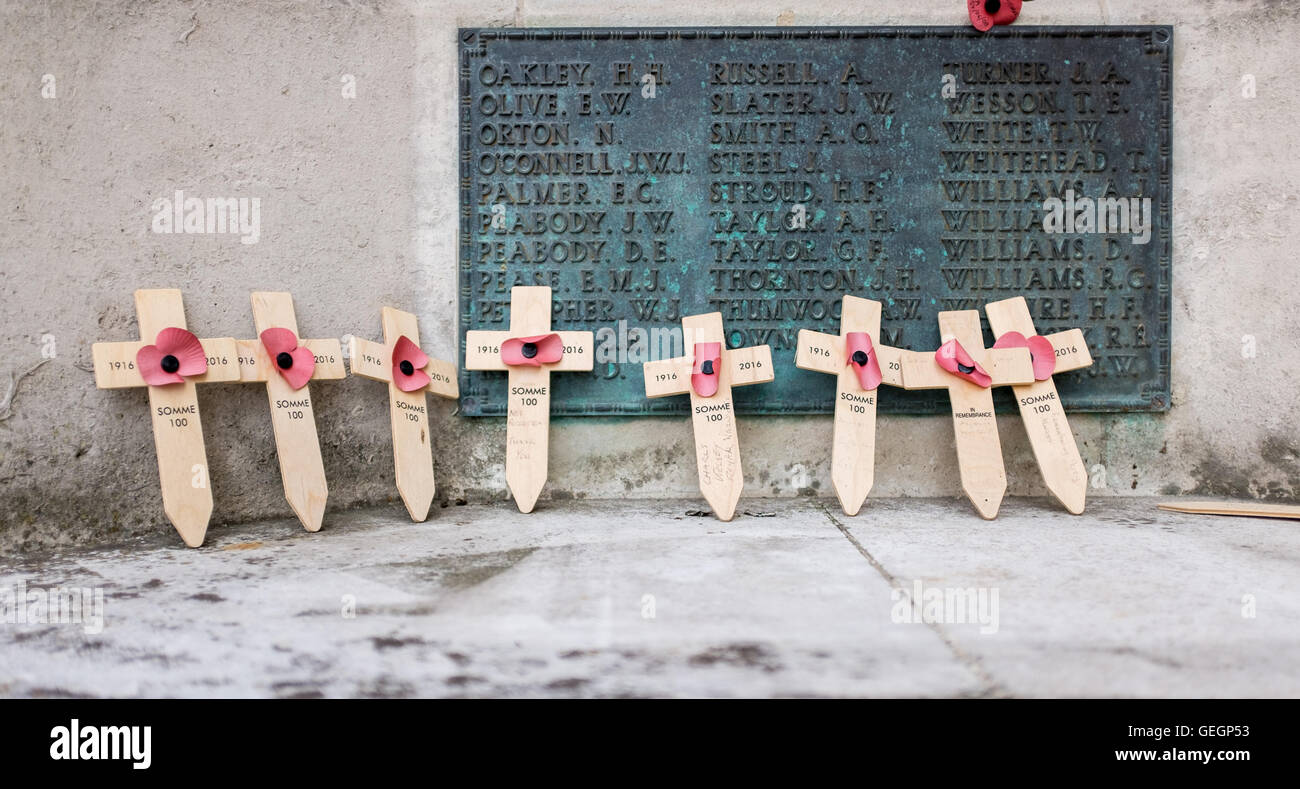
410 373
530 351
707 373
169 360
1040 407
286 364
861 364
966 369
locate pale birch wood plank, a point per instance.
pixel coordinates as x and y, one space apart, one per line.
177 428
749 366
717 448
1071 350
818 352
294 422
1008 366
666 377
371 360
979 449
114 362
483 350
1248 509
528 403
409 417
1041 409
853 443
444 380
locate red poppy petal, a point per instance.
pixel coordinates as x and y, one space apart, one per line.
148 360
952 357
512 353
1044 357
706 384
304 364
550 348
978 16
278 341
1011 339
410 383
186 348
869 376
406 351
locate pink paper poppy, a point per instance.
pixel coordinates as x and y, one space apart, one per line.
294 362
175 355
708 365
861 354
408 365
535 351
1041 352
984 14
953 358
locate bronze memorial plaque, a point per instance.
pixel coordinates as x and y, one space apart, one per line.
648 173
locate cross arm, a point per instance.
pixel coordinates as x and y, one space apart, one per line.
115 368
921 371
483 350
1009 366
1013 315
444 380
1071 350
370 359
821 353
255 363
667 377
752 365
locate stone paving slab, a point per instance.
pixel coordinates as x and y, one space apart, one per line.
638 598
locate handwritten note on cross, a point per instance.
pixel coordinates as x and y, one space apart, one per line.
707 373
859 362
173 405
979 451
1040 407
292 418
397 362
530 351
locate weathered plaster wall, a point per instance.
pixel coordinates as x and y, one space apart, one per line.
359 210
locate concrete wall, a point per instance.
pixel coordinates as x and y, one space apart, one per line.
359 206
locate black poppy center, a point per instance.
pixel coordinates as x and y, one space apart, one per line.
992 6
529 350
963 368
406 367
170 364
860 358
284 360
707 367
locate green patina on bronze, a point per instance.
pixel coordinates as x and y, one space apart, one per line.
764 172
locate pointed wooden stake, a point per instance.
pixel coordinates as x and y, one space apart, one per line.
853 448
408 411
713 415
174 408
1041 409
979 451
292 419
528 414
